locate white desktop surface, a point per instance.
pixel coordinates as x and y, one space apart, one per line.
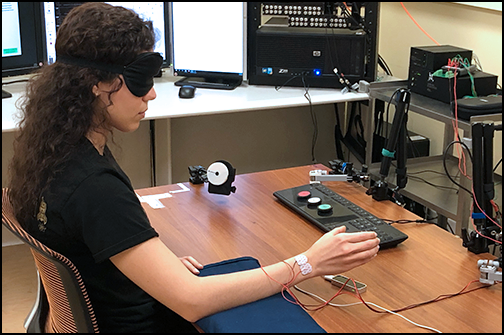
205 101
8 110
9 122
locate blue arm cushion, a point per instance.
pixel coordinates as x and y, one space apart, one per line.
269 315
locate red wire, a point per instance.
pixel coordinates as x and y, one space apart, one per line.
443 296
309 307
495 206
285 287
460 153
438 298
411 17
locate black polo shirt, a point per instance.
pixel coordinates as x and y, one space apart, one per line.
93 214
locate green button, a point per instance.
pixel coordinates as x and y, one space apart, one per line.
324 207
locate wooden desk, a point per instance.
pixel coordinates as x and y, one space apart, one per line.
251 222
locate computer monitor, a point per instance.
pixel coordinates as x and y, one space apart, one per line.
22 47
55 12
21 38
208 43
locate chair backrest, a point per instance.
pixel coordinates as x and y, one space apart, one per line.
68 307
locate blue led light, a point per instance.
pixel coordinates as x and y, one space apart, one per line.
317 72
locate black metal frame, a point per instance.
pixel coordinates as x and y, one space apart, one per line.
483 186
370 25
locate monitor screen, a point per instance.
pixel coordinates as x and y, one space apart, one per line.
55 12
208 39
22 48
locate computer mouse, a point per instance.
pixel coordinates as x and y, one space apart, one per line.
186 91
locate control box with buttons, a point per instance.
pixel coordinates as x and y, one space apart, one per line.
327 210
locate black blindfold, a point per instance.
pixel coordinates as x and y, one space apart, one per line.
138 75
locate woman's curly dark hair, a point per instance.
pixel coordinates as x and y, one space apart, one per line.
59 107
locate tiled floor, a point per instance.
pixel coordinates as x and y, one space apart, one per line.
19 287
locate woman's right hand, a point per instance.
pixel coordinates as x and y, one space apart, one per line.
337 251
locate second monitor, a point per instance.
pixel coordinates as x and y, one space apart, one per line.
55 12
208 43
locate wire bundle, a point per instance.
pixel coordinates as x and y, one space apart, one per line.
371 306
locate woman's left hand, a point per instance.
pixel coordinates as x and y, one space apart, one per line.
192 264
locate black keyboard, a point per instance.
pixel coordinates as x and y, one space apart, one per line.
327 210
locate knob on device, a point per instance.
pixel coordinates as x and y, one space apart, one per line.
303 195
324 209
314 201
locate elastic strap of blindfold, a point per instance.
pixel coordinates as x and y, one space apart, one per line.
114 68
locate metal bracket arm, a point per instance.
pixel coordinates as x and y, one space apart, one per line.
317 176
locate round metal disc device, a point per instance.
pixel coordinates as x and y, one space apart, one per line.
217 173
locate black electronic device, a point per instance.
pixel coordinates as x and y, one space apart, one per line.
434 57
440 88
347 283
220 175
327 210
312 44
22 42
416 146
208 44
424 77
198 174
187 91
285 55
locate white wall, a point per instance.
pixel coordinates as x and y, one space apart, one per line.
473 28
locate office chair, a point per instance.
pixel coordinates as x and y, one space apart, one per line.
62 304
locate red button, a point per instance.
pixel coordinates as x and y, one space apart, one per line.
304 194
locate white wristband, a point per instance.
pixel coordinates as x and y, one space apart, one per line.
302 261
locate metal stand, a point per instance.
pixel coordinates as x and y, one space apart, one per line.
396 141
483 186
